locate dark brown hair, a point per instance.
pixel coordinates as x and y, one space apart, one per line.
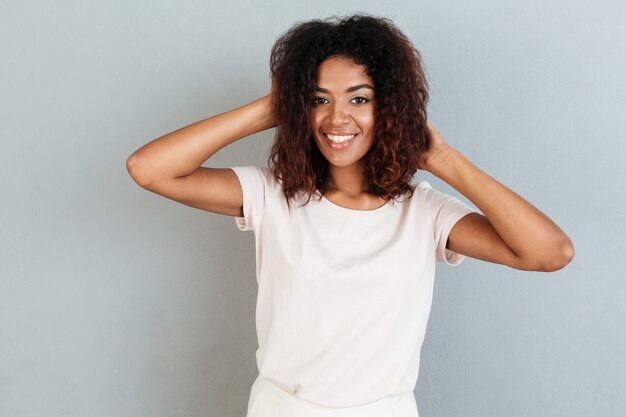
400 112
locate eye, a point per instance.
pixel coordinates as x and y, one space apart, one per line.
315 100
319 100
365 100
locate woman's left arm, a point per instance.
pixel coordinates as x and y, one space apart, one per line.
511 232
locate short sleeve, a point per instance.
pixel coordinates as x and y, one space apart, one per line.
253 182
445 211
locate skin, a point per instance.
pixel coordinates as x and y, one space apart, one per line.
336 110
511 231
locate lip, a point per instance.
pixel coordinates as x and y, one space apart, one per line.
341 145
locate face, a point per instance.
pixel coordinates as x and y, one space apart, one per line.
343 108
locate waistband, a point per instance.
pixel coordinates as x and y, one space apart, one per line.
306 408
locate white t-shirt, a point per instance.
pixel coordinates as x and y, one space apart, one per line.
344 295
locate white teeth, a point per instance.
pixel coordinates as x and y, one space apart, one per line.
336 138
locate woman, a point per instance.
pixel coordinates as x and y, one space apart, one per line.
346 244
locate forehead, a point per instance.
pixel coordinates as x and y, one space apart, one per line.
339 71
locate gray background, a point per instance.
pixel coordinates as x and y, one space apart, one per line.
115 301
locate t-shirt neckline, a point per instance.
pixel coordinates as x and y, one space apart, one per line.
327 203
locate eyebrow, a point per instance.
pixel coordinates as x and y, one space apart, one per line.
349 90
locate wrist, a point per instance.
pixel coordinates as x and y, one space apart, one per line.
262 114
437 163
267 119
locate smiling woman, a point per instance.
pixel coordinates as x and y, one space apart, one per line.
359 75
346 279
342 121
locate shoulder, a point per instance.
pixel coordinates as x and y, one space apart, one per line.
259 175
422 185
260 171
436 202
421 190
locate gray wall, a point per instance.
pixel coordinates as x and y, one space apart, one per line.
115 301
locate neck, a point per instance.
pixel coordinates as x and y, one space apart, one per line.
349 180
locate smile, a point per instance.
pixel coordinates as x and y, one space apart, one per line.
339 138
339 141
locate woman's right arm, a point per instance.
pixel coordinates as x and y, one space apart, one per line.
171 164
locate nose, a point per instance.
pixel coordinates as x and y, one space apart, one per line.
338 114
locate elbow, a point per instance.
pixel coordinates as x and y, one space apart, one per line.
561 258
133 166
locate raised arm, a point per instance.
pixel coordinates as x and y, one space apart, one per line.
171 164
512 231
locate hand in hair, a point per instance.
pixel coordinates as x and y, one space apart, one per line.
437 149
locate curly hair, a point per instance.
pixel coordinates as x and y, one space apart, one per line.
400 128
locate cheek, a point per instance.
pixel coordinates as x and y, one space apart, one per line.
367 121
315 125
365 116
